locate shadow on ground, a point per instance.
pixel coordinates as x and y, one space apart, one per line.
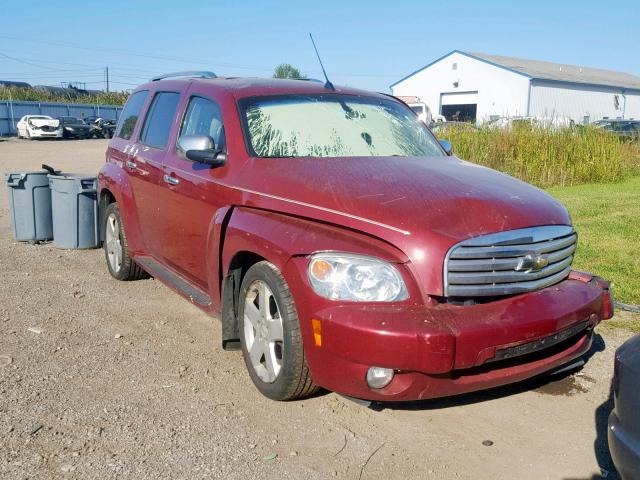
563 383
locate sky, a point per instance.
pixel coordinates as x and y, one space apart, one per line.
366 44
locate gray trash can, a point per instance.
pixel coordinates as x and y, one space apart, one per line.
75 211
30 205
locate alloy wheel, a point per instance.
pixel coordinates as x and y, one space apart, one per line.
263 333
113 243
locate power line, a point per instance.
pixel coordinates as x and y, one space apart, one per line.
193 61
94 66
141 55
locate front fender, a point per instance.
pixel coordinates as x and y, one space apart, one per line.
279 237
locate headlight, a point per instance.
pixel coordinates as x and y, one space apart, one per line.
355 277
70 129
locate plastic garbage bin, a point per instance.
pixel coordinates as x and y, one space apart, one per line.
30 205
75 211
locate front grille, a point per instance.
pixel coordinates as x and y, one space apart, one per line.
510 262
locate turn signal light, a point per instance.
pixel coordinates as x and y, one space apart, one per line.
317 331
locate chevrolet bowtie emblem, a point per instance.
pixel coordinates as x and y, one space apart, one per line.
531 263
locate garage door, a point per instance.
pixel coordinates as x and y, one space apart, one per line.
460 107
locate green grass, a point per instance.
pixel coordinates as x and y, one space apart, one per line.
629 322
607 218
549 157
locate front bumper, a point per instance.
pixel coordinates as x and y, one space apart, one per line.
77 133
39 133
624 446
443 349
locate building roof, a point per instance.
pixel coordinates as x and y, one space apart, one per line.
558 72
562 72
409 99
12 83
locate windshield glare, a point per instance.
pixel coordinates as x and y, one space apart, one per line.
334 126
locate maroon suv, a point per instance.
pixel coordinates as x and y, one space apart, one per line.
340 243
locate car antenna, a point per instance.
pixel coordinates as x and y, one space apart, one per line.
328 85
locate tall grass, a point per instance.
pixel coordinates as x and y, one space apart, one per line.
70 96
549 157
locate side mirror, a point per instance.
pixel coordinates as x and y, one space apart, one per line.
448 148
201 149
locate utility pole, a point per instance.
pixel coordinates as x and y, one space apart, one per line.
106 76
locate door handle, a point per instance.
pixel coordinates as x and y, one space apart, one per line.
131 165
171 180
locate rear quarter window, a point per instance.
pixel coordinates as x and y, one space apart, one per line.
130 114
160 116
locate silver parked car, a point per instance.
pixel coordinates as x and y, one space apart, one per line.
624 421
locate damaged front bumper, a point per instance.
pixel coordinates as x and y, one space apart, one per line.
445 349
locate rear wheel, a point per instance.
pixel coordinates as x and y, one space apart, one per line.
270 335
116 249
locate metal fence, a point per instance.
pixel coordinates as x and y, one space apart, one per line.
12 111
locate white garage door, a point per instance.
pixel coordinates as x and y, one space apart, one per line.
462 98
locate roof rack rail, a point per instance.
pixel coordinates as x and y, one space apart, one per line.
189 74
302 79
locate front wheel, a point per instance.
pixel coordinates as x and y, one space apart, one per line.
270 335
116 249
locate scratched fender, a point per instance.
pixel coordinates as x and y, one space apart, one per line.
279 237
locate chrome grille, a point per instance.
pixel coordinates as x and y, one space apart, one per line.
510 262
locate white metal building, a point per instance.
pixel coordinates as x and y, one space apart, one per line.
481 87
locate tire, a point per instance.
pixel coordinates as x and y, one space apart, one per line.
28 134
116 249
290 380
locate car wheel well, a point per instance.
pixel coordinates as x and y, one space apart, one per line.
244 261
106 199
238 267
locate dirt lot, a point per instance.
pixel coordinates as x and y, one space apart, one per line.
102 379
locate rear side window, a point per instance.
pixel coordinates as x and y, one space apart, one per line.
203 118
157 124
130 114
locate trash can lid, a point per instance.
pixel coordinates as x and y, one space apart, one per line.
73 176
33 172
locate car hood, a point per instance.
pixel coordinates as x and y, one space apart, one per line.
45 122
422 205
76 125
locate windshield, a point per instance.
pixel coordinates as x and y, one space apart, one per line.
417 109
330 125
70 120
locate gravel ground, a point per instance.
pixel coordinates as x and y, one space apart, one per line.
103 379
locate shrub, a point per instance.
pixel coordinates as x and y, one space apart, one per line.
68 96
549 157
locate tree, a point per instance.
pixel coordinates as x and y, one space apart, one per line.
286 70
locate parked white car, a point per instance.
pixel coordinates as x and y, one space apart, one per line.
39 126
